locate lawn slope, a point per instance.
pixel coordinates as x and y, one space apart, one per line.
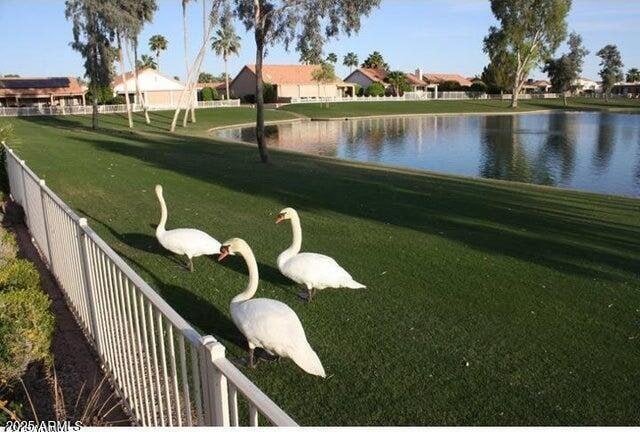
487 302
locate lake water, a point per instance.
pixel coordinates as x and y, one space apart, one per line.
598 152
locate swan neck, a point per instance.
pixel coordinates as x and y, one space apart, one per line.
296 229
252 266
163 215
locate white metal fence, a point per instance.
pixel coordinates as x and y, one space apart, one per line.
166 373
414 96
103 109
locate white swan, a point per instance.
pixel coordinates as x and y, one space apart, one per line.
312 270
266 323
184 241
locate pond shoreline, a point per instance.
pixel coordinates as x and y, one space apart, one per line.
469 154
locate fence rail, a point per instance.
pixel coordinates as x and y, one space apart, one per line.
416 96
103 109
166 373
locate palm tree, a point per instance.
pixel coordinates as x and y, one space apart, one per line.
350 60
146 61
398 81
158 43
633 75
332 58
224 43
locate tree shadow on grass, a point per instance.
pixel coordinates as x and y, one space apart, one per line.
562 230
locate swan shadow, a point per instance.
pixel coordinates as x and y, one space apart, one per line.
204 315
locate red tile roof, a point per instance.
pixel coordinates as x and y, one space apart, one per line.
375 75
288 74
379 75
57 86
438 78
214 84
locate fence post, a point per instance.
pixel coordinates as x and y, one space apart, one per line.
88 288
214 384
46 224
25 201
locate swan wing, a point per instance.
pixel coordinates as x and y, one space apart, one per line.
274 326
318 271
190 241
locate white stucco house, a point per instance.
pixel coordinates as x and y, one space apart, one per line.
586 85
157 89
290 81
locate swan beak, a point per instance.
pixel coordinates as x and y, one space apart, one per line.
280 218
224 251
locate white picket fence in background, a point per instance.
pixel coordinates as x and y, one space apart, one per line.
417 96
102 109
166 373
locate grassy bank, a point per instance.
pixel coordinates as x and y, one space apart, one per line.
488 302
358 109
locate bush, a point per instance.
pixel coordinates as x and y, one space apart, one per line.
209 94
270 93
249 99
18 274
450 86
478 86
375 89
26 329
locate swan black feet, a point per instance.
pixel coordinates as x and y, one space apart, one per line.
307 295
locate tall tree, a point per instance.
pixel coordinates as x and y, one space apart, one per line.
325 74
332 58
497 75
225 43
529 32
310 42
143 10
186 98
274 21
350 60
157 44
205 77
92 38
633 75
611 72
375 61
565 70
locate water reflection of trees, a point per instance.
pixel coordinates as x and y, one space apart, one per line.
558 151
502 154
605 143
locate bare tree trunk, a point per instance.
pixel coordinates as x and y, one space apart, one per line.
259 36
514 95
141 99
192 75
124 81
94 112
226 76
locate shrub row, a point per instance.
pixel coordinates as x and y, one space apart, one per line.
26 323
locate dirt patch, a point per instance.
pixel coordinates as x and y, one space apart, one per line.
77 368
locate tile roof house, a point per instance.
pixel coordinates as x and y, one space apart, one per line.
364 77
439 78
536 86
52 91
158 90
290 81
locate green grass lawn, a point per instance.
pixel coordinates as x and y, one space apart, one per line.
489 303
356 109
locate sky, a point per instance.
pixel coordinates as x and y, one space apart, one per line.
435 35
